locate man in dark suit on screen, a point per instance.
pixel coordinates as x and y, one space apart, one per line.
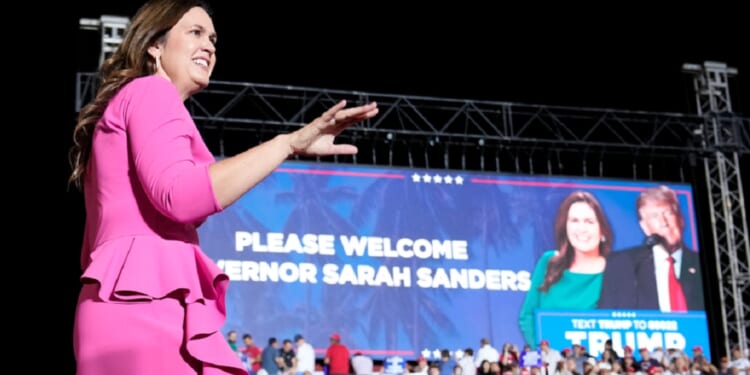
662 274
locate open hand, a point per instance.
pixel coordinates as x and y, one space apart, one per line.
317 137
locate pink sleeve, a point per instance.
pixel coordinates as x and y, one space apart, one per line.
161 138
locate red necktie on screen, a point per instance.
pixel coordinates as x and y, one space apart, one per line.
676 296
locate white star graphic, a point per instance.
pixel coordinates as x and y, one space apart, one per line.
426 353
448 180
459 180
415 177
427 178
436 353
437 179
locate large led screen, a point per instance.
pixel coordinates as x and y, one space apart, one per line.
405 262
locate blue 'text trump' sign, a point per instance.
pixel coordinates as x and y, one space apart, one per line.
531 358
637 329
394 365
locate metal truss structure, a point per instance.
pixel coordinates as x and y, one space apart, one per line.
112 30
420 131
726 195
228 107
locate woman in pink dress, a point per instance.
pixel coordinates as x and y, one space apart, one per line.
151 301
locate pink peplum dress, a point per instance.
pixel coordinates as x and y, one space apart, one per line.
152 302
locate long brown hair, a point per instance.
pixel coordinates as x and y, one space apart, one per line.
564 258
131 60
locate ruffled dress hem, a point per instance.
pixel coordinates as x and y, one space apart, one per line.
141 268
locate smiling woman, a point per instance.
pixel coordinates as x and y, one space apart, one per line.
152 302
186 56
570 277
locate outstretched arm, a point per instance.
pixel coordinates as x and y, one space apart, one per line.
232 177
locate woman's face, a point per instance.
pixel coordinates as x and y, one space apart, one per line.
188 55
582 227
486 366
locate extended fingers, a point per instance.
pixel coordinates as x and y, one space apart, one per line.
356 113
343 149
331 112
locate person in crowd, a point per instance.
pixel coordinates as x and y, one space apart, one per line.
606 361
646 361
337 357
484 368
702 366
724 368
570 277
305 354
421 367
466 361
589 367
232 340
740 361
559 368
616 368
679 365
447 363
151 301
289 358
270 358
495 368
662 273
579 357
627 353
509 356
658 354
672 354
486 352
362 364
252 354
629 362
550 357
571 367
612 352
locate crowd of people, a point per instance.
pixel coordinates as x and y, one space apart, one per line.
290 358
300 359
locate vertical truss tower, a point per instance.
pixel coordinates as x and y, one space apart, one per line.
721 137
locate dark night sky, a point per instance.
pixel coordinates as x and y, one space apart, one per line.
626 60
610 58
